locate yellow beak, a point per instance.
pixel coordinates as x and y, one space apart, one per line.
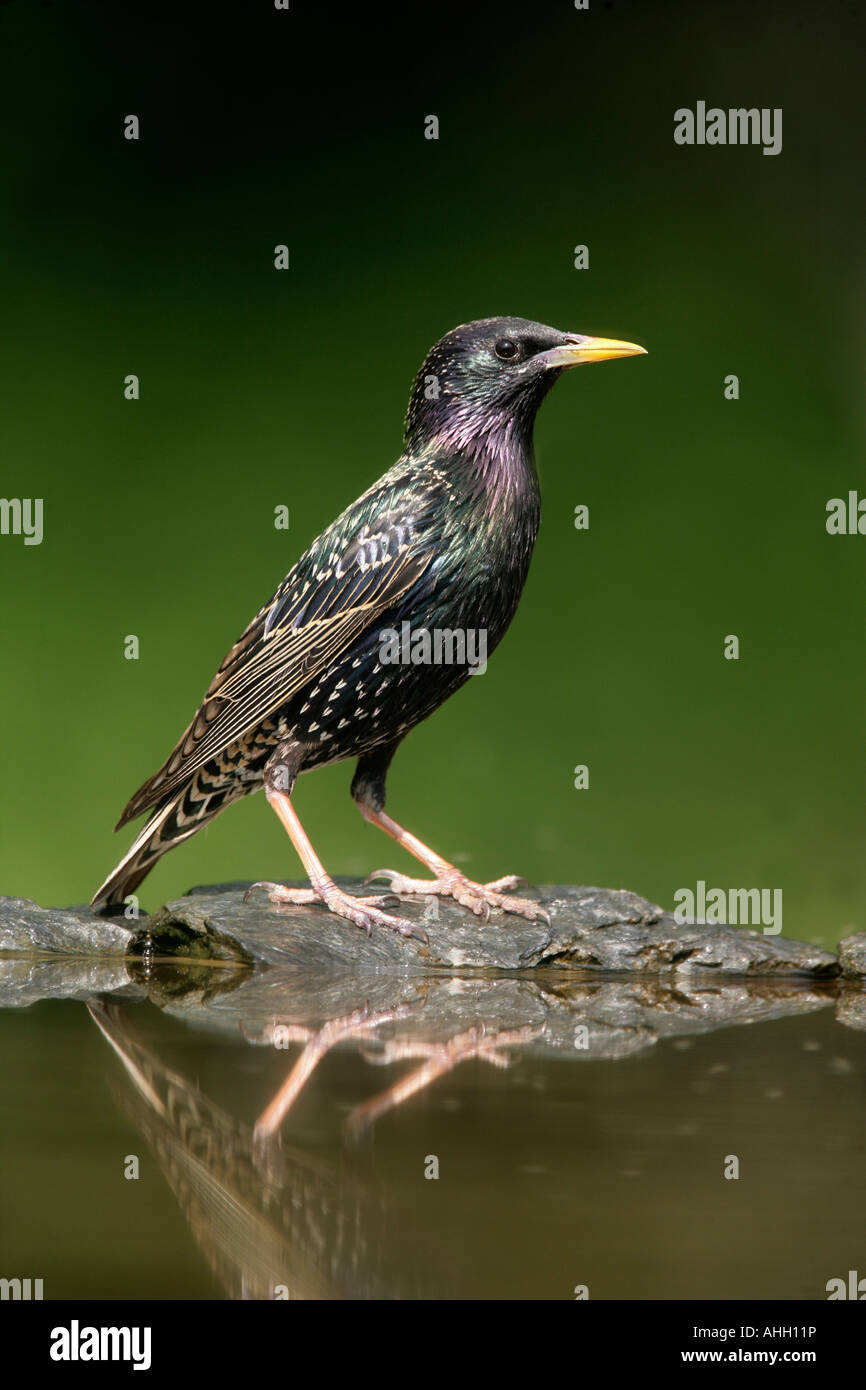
581 349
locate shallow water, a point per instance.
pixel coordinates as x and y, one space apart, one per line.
558 1165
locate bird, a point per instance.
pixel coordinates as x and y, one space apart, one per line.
441 543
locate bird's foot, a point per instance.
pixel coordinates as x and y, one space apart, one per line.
478 897
363 912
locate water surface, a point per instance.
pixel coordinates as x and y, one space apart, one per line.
559 1165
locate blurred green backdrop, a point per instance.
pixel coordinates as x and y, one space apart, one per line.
260 388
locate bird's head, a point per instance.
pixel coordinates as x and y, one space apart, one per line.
487 379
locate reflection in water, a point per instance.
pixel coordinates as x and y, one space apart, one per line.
271 1222
276 1221
440 1057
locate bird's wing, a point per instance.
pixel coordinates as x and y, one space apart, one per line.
331 596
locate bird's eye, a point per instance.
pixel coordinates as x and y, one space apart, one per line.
506 349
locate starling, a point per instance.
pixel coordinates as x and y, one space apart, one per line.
441 544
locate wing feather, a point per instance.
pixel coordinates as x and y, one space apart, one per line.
306 625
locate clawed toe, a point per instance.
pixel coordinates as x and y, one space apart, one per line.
365 913
477 897
399 884
524 907
500 885
279 893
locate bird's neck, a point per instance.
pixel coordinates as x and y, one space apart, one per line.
492 466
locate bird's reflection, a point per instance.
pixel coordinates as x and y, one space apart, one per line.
271 1220
274 1221
361 1026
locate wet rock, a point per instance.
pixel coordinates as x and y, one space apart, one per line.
852 956
572 1015
595 929
28 929
591 929
851 1008
26 981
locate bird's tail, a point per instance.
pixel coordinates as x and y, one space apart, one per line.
172 822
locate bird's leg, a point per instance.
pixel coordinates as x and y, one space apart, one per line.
368 791
364 912
441 1057
361 1024
449 881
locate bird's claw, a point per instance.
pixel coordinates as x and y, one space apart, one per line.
478 897
279 894
507 882
362 912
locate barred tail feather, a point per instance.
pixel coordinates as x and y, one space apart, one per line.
160 833
176 817
174 820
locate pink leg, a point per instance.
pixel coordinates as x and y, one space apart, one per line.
448 881
364 912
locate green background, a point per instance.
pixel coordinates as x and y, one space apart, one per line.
261 388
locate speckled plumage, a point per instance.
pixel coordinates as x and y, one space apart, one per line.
442 540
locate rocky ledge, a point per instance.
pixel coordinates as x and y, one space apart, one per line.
594 929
